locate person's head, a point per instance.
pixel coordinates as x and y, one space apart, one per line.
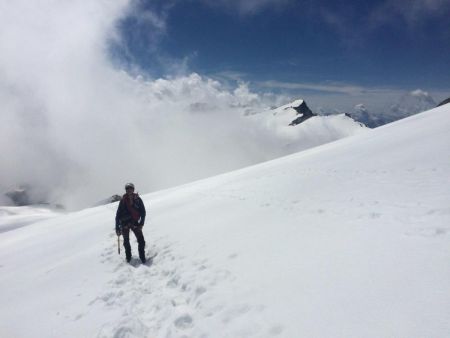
129 188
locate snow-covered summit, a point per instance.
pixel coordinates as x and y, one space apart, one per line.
297 110
294 104
299 128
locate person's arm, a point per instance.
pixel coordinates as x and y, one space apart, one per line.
143 213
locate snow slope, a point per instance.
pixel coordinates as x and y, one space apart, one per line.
350 239
13 217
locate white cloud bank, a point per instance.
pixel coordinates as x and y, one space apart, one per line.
76 128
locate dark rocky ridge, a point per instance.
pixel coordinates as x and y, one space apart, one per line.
25 195
444 102
19 197
304 113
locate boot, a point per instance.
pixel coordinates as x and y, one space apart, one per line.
142 257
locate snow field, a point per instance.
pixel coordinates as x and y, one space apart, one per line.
12 217
349 239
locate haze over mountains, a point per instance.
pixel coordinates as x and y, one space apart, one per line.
408 104
265 134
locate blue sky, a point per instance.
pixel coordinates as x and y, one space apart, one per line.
296 46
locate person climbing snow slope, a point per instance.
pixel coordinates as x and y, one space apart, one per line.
130 215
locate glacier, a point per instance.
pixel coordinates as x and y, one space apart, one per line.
348 239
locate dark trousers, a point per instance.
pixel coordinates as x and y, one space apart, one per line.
126 240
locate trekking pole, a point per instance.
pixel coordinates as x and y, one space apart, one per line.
118 244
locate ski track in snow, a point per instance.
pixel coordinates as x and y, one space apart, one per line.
169 297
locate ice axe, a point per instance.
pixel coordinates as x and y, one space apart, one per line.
118 244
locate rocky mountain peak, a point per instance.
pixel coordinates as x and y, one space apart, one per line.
303 112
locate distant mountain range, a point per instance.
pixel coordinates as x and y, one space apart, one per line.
409 104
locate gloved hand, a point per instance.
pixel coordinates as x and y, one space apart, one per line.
141 222
118 231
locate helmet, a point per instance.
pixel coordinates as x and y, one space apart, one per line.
129 185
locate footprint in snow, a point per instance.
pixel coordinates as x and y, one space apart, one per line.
428 232
121 280
233 256
179 301
199 291
275 330
183 322
173 282
374 215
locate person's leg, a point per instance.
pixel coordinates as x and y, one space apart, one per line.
141 243
126 242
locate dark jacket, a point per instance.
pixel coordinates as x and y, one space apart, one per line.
130 212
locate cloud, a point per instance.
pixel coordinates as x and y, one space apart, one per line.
140 29
229 75
411 12
341 96
332 87
355 26
76 127
247 7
